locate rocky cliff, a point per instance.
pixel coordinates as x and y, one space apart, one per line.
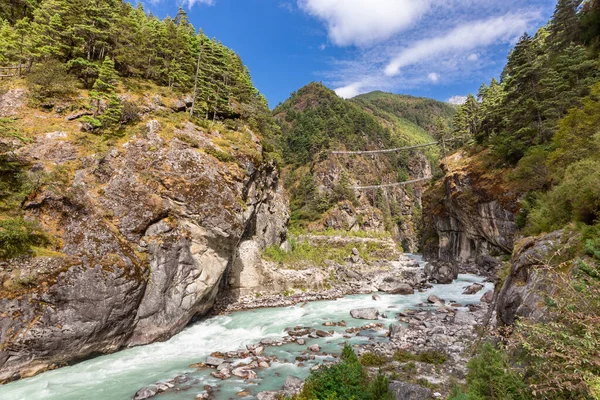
469 215
143 231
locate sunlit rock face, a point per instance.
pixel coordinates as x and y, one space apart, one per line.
147 232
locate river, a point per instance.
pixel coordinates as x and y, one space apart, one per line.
118 376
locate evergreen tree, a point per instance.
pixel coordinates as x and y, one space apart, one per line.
466 121
104 89
564 26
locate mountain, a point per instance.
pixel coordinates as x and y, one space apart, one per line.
314 121
406 113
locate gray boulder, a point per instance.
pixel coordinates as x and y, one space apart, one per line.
401 288
214 361
144 393
474 288
292 386
487 297
178 106
268 395
434 299
407 391
364 313
396 330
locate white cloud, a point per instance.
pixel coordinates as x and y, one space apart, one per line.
473 57
457 100
349 91
433 77
323 46
363 22
464 37
190 3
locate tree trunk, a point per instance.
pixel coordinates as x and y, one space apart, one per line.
195 93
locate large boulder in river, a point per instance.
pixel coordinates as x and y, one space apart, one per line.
474 288
443 273
144 394
400 288
365 313
407 391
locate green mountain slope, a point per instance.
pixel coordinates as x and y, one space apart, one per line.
314 121
407 115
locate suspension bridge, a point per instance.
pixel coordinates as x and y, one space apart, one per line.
396 150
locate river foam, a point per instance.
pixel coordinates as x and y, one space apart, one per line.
118 376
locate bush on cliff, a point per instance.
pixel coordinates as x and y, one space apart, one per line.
562 354
17 236
491 377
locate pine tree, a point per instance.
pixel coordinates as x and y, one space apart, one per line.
104 89
564 25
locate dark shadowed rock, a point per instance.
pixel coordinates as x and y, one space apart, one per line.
407 391
474 288
144 393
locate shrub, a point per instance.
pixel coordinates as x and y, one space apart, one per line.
130 113
372 360
220 155
427 357
51 80
576 198
344 381
491 377
17 236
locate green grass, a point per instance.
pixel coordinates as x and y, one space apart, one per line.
427 357
341 233
372 360
304 253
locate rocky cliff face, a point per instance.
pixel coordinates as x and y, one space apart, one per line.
145 233
393 209
469 215
526 286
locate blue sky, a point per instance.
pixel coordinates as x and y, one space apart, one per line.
443 49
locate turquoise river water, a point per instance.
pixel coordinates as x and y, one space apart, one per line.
118 376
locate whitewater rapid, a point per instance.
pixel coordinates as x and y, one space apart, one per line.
118 376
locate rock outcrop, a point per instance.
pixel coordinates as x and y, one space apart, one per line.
145 233
522 294
469 215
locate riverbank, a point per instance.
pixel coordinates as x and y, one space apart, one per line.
422 347
404 274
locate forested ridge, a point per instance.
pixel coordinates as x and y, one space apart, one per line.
536 129
100 68
315 121
81 34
